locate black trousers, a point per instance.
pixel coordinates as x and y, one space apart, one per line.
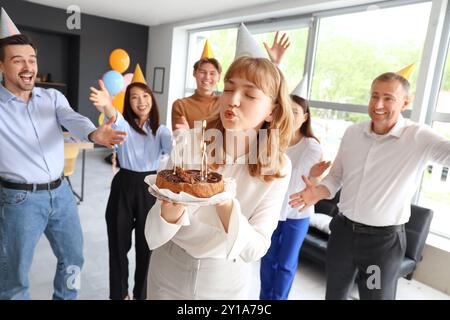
128 205
370 255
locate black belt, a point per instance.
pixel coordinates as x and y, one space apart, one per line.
137 173
363 228
32 186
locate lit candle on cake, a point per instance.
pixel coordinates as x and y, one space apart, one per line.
174 152
206 161
183 144
203 130
201 167
203 149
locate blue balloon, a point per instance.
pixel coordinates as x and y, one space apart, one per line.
113 81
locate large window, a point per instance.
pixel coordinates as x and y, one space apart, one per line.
435 189
443 103
329 127
292 64
223 43
345 50
353 49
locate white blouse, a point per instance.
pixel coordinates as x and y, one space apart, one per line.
253 219
304 154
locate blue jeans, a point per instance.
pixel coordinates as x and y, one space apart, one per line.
24 216
279 265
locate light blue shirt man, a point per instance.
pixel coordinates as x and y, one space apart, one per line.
31 137
32 152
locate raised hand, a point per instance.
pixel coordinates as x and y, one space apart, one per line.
278 49
101 99
319 168
307 197
107 136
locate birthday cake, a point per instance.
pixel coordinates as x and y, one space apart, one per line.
190 181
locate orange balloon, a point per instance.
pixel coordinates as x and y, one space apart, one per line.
119 60
118 101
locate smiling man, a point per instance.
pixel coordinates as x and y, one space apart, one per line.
203 103
378 166
34 196
388 99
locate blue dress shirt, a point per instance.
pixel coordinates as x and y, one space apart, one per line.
31 137
140 152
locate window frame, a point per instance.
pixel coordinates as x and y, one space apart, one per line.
431 114
255 27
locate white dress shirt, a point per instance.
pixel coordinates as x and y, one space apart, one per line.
304 154
379 174
254 217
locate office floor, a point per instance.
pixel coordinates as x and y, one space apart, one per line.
309 283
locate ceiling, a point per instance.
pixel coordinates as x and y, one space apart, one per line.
154 12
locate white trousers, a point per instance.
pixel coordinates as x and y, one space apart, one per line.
174 274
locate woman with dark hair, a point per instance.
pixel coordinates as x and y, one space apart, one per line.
279 265
129 200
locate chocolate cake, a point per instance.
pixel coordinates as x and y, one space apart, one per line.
189 181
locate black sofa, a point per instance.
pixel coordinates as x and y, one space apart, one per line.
315 244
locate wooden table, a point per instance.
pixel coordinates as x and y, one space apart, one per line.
69 140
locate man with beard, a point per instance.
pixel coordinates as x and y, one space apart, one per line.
34 196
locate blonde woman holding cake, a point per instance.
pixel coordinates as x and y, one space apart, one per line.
129 201
205 252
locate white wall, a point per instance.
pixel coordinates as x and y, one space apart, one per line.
159 49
